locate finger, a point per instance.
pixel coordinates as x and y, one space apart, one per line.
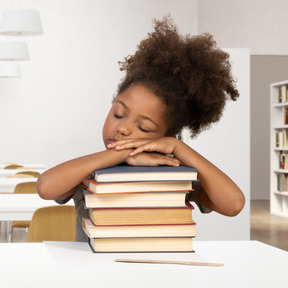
131 145
146 147
168 161
127 144
117 143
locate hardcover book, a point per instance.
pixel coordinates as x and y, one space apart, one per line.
177 230
127 173
138 186
141 216
169 244
136 200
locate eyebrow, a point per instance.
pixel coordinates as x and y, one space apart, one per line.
142 116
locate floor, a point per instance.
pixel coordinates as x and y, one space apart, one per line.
267 228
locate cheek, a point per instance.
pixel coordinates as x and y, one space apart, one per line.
106 126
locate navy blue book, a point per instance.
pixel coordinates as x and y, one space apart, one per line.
127 173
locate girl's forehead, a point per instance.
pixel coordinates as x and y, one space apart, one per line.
138 94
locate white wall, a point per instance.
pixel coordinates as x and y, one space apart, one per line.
260 25
56 110
227 145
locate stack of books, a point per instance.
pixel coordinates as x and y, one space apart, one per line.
140 209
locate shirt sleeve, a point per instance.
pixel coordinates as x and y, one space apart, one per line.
64 200
193 197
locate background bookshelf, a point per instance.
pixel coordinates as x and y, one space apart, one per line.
279 148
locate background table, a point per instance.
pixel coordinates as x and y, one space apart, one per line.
7 185
71 264
7 172
20 207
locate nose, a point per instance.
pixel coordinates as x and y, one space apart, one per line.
124 130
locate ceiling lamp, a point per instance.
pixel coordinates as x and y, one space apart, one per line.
9 70
13 51
20 22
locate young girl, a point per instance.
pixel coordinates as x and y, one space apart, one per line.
171 82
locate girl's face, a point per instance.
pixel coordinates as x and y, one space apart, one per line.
136 113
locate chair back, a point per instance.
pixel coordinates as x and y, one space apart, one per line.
31 173
53 223
20 175
26 187
13 166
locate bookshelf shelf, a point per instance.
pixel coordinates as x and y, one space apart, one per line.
279 148
284 193
280 105
283 171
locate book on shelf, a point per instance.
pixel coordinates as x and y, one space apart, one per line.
279 95
282 182
127 173
283 160
142 216
137 186
116 231
285 112
140 200
152 244
283 94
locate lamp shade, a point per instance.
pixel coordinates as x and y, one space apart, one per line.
13 51
9 70
20 22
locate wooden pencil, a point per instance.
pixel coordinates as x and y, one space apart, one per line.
170 262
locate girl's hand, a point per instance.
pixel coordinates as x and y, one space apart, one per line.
151 159
165 145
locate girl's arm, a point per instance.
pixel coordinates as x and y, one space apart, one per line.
62 180
218 192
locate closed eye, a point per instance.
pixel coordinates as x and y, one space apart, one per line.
118 116
141 129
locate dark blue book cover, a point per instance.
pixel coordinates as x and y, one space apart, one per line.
121 173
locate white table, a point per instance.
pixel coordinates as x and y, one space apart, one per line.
8 172
248 264
7 185
21 206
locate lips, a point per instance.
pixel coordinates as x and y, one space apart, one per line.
113 140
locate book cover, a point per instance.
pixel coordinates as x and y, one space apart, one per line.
138 186
136 200
141 216
127 173
112 231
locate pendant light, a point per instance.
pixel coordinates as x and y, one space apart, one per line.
13 51
20 22
9 70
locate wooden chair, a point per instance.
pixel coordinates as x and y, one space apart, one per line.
26 187
22 188
20 175
53 223
31 173
13 166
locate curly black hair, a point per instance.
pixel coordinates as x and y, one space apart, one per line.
190 74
